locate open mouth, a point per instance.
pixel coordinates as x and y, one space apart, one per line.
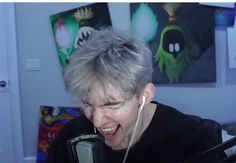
109 131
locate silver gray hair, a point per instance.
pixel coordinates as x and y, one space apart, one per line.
109 58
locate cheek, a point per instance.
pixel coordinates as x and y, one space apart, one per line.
88 114
127 116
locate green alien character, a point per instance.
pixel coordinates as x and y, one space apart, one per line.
173 55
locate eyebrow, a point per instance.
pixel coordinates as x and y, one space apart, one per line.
107 104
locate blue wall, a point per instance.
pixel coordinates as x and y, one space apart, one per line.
45 87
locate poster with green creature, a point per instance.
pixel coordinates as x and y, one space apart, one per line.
72 27
181 37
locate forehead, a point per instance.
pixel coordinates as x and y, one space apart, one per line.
100 95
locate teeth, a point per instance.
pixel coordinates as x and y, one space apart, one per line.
109 130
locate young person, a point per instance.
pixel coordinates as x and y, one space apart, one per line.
111 75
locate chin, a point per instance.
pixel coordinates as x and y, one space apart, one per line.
114 145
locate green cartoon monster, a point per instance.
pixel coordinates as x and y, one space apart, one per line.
70 31
173 54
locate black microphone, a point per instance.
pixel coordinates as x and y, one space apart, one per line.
86 148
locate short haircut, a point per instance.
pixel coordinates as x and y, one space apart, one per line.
109 58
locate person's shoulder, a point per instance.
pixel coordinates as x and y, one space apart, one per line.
76 126
172 117
58 150
167 109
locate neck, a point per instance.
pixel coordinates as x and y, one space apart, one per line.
141 120
145 119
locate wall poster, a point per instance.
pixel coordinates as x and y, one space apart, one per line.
181 37
51 120
71 28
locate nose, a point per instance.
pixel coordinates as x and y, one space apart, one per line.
98 117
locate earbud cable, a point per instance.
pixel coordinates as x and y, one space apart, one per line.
132 138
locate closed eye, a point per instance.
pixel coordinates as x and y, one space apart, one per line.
86 106
113 105
109 105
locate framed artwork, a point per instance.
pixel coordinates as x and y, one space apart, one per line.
51 121
71 28
224 17
181 37
219 4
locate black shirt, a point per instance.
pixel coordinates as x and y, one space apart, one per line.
170 137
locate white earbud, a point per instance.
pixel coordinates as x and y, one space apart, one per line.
144 99
143 102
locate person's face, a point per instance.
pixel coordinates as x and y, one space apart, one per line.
114 118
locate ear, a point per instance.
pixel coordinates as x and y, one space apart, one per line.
148 92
